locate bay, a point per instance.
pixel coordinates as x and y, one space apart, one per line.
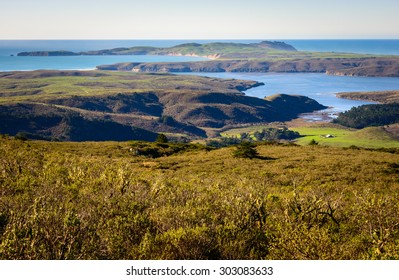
321 87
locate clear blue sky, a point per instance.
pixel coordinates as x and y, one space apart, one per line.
198 19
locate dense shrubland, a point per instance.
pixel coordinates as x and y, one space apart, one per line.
101 201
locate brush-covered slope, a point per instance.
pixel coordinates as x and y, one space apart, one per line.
39 121
102 201
54 103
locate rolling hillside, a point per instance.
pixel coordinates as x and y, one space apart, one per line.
119 106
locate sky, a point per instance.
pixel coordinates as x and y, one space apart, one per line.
199 19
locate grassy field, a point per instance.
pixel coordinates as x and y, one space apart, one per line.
371 137
101 201
44 85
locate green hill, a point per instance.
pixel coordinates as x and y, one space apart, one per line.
215 49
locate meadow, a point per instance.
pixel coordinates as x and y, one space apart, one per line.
340 136
99 200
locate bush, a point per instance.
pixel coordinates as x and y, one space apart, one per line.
162 138
246 150
21 136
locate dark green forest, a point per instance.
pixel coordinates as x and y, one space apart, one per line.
370 115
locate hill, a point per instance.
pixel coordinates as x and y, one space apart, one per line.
40 121
211 50
55 103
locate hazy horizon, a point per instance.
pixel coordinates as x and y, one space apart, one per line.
197 20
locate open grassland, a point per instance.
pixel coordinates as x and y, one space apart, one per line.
101 201
371 137
49 85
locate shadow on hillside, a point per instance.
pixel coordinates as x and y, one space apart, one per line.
265 158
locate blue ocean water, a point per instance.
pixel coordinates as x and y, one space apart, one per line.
24 63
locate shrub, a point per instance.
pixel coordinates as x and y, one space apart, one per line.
162 138
21 136
246 150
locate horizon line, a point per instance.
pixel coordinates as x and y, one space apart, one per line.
181 39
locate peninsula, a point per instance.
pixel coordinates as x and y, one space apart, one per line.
265 56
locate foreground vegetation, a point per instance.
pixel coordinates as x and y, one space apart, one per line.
101 201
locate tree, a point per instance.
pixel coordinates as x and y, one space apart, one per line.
162 138
246 150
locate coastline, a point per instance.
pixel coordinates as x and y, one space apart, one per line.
377 97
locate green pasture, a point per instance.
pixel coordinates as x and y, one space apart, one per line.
371 137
